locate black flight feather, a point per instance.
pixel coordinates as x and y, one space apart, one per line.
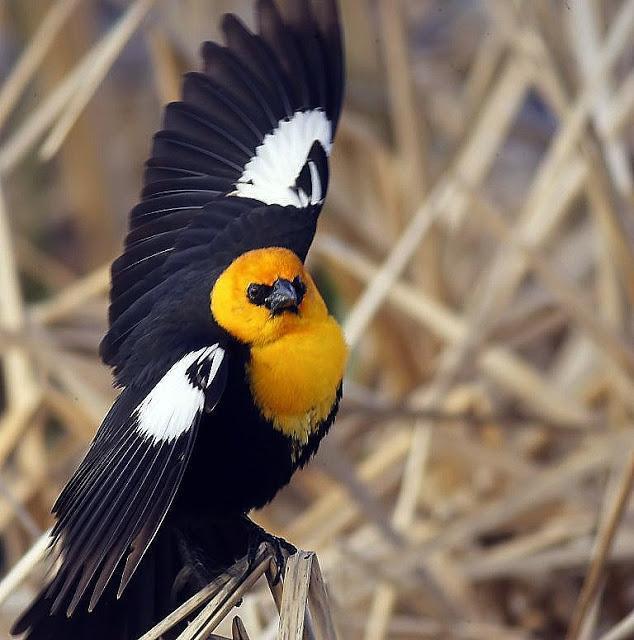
110 511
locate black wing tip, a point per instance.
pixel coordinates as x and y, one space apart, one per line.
208 48
231 20
20 626
105 350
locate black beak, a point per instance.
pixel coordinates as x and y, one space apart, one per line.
283 297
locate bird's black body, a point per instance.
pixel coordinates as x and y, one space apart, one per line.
236 445
239 171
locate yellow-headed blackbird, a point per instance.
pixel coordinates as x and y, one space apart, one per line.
229 362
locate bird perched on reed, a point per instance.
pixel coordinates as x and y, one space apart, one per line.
229 362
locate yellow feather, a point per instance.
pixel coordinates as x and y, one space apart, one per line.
294 379
297 360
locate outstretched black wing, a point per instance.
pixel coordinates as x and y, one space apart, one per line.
254 127
113 506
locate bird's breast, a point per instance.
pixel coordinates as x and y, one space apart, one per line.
294 379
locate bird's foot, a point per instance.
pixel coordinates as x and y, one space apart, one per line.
280 548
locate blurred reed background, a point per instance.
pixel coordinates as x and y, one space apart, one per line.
478 243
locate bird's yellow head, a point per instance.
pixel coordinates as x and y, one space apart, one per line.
265 294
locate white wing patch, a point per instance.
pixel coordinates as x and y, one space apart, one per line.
270 175
172 406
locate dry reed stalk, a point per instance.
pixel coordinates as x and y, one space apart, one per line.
167 71
549 485
218 608
73 92
21 388
602 194
482 73
72 297
620 110
515 375
573 125
23 394
295 623
585 34
304 610
454 361
104 56
606 209
406 120
215 594
23 490
79 421
339 467
321 616
15 505
31 58
35 125
455 600
573 556
556 532
24 567
334 510
411 626
622 631
605 539
470 165
385 594
303 583
603 197
41 267
579 309
504 275
92 401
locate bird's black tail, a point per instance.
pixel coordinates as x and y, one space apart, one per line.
180 561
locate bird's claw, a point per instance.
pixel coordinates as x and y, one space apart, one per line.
280 548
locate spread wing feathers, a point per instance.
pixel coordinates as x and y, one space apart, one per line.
135 280
257 123
257 228
110 511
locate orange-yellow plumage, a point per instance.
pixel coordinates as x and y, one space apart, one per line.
297 360
294 379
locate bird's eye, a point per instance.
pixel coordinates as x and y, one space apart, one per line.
257 293
300 289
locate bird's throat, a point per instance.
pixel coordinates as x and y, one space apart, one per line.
294 380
